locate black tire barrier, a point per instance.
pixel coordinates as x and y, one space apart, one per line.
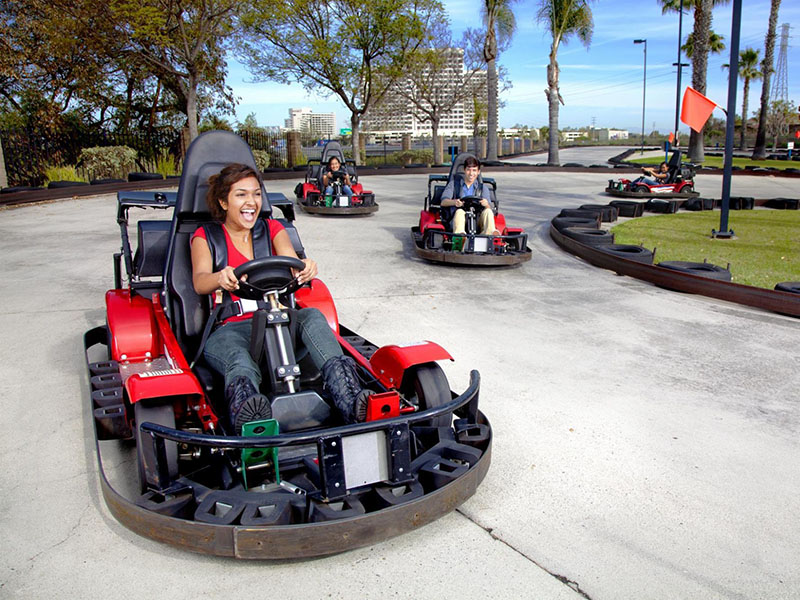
573 164
789 286
64 184
741 203
587 235
661 206
144 176
582 214
696 268
628 208
608 213
635 253
560 223
693 204
105 181
783 203
18 188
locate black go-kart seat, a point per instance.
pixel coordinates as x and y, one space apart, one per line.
187 310
674 165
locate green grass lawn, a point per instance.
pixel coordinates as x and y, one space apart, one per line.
717 161
765 251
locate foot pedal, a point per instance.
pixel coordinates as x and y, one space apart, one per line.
258 456
383 406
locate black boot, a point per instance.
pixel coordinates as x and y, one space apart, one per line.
341 380
245 404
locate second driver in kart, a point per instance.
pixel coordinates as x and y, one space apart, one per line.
469 185
234 200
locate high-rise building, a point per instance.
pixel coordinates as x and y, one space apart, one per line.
397 115
317 124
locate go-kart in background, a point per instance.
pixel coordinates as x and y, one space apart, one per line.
645 441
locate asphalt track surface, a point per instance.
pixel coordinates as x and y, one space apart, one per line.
646 442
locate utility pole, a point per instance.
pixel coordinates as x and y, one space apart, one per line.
680 71
644 85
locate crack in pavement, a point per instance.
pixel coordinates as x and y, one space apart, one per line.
574 585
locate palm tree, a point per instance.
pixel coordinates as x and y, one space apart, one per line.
500 26
716 44
748 70
760 149
563 18
701 38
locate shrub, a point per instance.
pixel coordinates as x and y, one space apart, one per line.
108 161
166 163
67 173
262 159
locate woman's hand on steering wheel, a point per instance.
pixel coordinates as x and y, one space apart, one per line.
308 273
227 279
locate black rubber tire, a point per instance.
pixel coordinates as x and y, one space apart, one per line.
627 208
582 214
430 386
695 268
641 189
65 184
144 176
105 181
162 414
19 188
637 253
561 223
589 236
783 203
608 213
789 286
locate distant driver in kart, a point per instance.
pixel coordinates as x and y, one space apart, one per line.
660 176
462 187
334 166
234 200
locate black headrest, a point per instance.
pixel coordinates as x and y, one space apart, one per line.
675 159
209 153
330 150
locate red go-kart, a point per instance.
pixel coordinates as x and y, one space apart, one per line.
311 194
300 484
679 183
433 240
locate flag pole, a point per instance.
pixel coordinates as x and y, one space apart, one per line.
733 80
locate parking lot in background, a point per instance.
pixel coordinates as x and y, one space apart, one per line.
645 441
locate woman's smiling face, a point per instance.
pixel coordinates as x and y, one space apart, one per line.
243 203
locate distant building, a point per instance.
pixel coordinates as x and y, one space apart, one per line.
317 124
396 115
605 135
571 135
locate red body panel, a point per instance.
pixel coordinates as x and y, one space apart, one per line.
389 363
308 187
500 223
132 326
318 296
383 406
428 219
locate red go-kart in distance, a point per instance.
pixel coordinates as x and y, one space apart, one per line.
311 194
433 240
298 485
679 183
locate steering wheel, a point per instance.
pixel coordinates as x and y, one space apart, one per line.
266 275
337 175
472 203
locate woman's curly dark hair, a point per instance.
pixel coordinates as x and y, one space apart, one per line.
219 186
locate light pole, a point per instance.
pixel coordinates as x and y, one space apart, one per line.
680 71
644 85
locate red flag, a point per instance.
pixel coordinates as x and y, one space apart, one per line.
696 109
671 137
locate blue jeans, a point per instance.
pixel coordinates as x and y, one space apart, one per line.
345 190
228 347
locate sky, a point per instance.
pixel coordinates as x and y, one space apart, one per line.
602 84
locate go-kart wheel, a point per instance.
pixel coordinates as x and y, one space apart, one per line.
641 189
429 384
161 415
265 275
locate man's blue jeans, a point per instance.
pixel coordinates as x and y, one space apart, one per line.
228 348
345 190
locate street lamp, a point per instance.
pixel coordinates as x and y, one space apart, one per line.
644 85
680 71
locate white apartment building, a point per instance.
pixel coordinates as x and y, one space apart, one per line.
318 124
397 116
604 135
